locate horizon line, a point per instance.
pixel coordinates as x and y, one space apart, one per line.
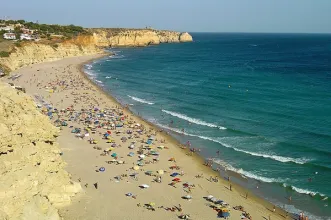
239 32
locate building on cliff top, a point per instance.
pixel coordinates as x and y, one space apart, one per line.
9 36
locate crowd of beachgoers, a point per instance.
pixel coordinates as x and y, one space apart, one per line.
125 163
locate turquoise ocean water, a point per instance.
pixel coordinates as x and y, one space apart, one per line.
262 100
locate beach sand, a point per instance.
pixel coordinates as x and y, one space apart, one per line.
109 200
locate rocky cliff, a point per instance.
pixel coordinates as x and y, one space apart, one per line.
31 53
33 181
136 37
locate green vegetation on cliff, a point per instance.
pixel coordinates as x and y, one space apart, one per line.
45 29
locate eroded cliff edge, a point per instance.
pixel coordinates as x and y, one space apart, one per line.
33 180
31 53
117 37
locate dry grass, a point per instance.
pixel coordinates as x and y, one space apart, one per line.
6 45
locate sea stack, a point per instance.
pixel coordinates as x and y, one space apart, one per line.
185 37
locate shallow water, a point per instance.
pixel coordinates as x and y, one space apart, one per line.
262 100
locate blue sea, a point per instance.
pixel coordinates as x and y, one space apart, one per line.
262 100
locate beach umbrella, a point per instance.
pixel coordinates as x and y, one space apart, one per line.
187 197
219 202
120 162
184 216
114 155
136 167
161 147
131 154
149 173
142 156
213 199
174 174
176 180
144 186
161 172
102 169
140 163
113 145
134 174
151 204
131 146
172 159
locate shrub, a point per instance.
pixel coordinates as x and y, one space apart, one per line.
4 54
17 44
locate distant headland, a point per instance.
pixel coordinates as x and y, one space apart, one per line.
23 43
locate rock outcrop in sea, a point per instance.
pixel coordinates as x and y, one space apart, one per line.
33 180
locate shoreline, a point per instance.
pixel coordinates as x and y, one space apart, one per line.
258 207
197 157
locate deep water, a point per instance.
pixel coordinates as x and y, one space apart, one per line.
262 100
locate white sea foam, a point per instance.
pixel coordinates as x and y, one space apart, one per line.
247 173
90 73
273 157
192 120
218 140
141 100
98 81
116 56
108 77
294 210
305 191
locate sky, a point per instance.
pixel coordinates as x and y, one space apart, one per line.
280 16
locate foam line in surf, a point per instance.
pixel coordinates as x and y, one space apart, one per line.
273 157
247 173
304 191
141 100
192 120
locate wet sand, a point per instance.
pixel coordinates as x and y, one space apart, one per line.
109 200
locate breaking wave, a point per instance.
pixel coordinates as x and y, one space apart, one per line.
193 120
141 100
246 174
273 157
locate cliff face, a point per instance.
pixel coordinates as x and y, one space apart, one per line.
33 181
136 37
31 53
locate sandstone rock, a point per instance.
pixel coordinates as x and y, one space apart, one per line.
136 37
32 53
185 37
33 180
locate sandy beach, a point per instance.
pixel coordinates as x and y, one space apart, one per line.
137 154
